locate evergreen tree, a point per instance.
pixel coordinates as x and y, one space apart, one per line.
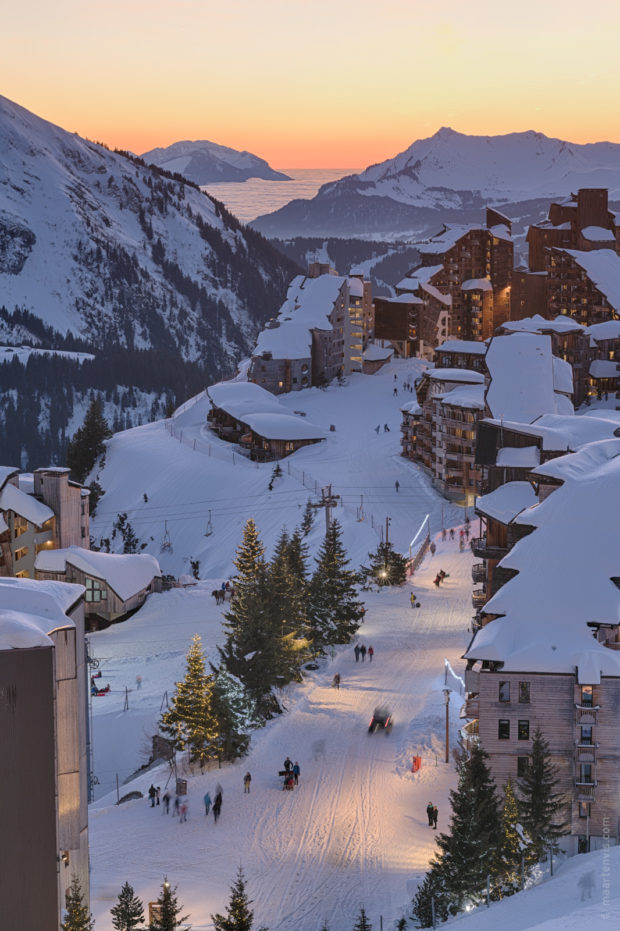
298 562
540 806
308 519
234 715
88 442
508 874
78 917
387 567
469 853
169 918
334 612
287 589
128 913
362 923
239 916
190 721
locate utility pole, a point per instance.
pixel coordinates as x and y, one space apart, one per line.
328 501
387 525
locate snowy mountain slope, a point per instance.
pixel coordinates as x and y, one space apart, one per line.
354 832
190 472
449 177
99 245
207 163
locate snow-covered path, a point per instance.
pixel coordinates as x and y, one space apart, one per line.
354 831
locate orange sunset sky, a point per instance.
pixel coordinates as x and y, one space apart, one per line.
328 83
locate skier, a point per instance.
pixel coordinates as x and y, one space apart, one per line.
430 808
371 653
396 485
296 772
435 816
356 650
152 794
247 779
363 652
217 807
207 800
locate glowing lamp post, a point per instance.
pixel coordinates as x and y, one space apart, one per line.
446 695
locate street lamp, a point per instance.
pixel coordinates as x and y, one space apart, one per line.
446 695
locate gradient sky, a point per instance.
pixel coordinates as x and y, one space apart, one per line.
314 83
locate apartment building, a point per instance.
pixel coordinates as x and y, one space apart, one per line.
548 653
583 221
38 512
43 764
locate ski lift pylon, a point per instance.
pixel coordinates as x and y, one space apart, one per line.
166 543
209 529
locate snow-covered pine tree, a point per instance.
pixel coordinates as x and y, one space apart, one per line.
77 917
88 442
507 879
128 913
169 916
298 561
233 713
308 518
239 916
387 567
362 923
432 898
190 721
541 807
334 612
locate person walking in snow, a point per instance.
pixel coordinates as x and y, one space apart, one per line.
371 653
377 429
397 485
157 794
207 800
395 392
433 548
430 808
288 765
152 794
336 681
217 807
166 801
247 779
138 682
452 533
386 429
184 809
356 650
412 600
467 532
437 580
435 816
296 772
363 652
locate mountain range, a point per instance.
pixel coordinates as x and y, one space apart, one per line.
208 163
450 177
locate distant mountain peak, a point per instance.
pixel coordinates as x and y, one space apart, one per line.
205 162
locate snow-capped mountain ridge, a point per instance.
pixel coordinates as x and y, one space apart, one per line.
205 162
447 174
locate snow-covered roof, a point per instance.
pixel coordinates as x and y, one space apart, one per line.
466 346
598 234
477 284
375 353
563 580
308 305
411 407
602 267
507 501
562 375
261 411
471 396
356 287
436 293
466 376
283 426
443 241
522 377
501 231
604 368
5 474
30 611
126 573
538 324
14 499
418 277
518 457
560 432
609 329
406 298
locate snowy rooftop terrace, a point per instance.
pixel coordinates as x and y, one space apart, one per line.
466 346
470 396
543 627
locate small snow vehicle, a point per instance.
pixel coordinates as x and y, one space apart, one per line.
381 720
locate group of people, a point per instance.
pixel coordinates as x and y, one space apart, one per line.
291 773
181 806
441 575
362 651
216 805
432 814
386 429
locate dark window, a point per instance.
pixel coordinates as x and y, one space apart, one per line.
524 693
503 730
523 764
504 691
524 730
585 773
587 696
586 734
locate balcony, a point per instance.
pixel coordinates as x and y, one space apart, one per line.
483 550
469 732
478 598
471 708
479 572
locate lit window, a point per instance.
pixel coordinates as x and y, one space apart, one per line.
504 691
523 731
524 693
587 696
21 553
584 809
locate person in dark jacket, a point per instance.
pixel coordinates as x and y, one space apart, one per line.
435 816
430 808
363 652
152 794
217 806
247 779
296 772
288 764
356 650
207 800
